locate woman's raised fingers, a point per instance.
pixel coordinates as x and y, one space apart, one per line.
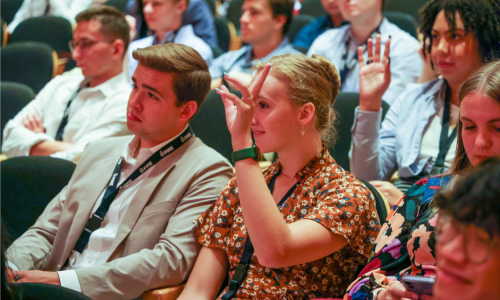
229 99
361 60
243 88
378 43
387 50
369 48
257 84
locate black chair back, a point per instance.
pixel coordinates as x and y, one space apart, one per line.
15 96
3 32
36 291
9 9
216 51
119 4
30 63
234 13
28 184
223 33
410 7
379 202
54 31
404 21
298 23
211 4
312 8
344 105
209 124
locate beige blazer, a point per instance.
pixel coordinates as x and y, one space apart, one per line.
156 244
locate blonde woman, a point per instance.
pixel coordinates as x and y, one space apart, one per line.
311 223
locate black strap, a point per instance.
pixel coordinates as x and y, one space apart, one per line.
64 121
169 40
113 189
241 271
347 66
445 141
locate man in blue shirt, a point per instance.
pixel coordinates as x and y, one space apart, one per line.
264 24
311 31
164 17
198 14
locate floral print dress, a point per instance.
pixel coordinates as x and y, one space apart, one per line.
405 245
326 194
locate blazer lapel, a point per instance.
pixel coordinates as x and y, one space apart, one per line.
100 175
143 195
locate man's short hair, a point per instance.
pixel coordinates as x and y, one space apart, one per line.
285 8
114 26
191 78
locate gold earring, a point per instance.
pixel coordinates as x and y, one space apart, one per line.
303 131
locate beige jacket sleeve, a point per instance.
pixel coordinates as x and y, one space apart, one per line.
171 260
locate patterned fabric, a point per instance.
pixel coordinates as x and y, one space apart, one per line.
326 194
405 245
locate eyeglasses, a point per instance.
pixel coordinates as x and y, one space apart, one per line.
84 44
477 242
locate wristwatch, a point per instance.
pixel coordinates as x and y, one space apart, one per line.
252 152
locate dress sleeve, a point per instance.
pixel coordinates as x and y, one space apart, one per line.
390 255
348 209
214 225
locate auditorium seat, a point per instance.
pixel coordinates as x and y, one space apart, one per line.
312 8
167 293
410 7
234 13
118 4
223 33
381 203
15 96
298 23
31 63
36 291
28 184
404 21
344 106
9 8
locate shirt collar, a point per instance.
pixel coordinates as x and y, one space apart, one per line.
248 53
144 153
110 86
310 169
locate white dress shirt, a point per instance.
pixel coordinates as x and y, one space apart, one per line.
67 9
95 113
101 240
406 64
185 36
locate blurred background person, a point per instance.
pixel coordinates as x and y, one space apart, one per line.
73 110
264 24
340 45
311 31
164 17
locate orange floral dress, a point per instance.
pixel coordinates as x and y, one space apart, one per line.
326 194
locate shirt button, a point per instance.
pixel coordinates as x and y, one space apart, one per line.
89 261
116 204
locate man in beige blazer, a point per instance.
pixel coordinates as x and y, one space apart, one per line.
147 238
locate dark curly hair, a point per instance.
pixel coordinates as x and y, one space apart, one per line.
475 197
481 17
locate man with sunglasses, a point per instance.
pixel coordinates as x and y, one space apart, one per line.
73 110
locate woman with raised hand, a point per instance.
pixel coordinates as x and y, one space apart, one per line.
302 228
418 136
406 243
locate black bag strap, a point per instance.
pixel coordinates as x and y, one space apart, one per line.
241 271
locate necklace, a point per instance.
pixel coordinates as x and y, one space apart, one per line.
291 178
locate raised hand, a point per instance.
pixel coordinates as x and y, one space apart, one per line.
374 76
239 112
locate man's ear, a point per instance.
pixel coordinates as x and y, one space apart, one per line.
306 113
181 6
188 110
279 22
118 49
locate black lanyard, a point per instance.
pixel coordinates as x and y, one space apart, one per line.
170 38
347 66
113 189
445 141
241 271
64 121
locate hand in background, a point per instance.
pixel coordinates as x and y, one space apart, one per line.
391 193
374 76
34 123
396 291
33 276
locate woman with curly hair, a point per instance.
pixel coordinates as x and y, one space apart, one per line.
417 137
406 243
